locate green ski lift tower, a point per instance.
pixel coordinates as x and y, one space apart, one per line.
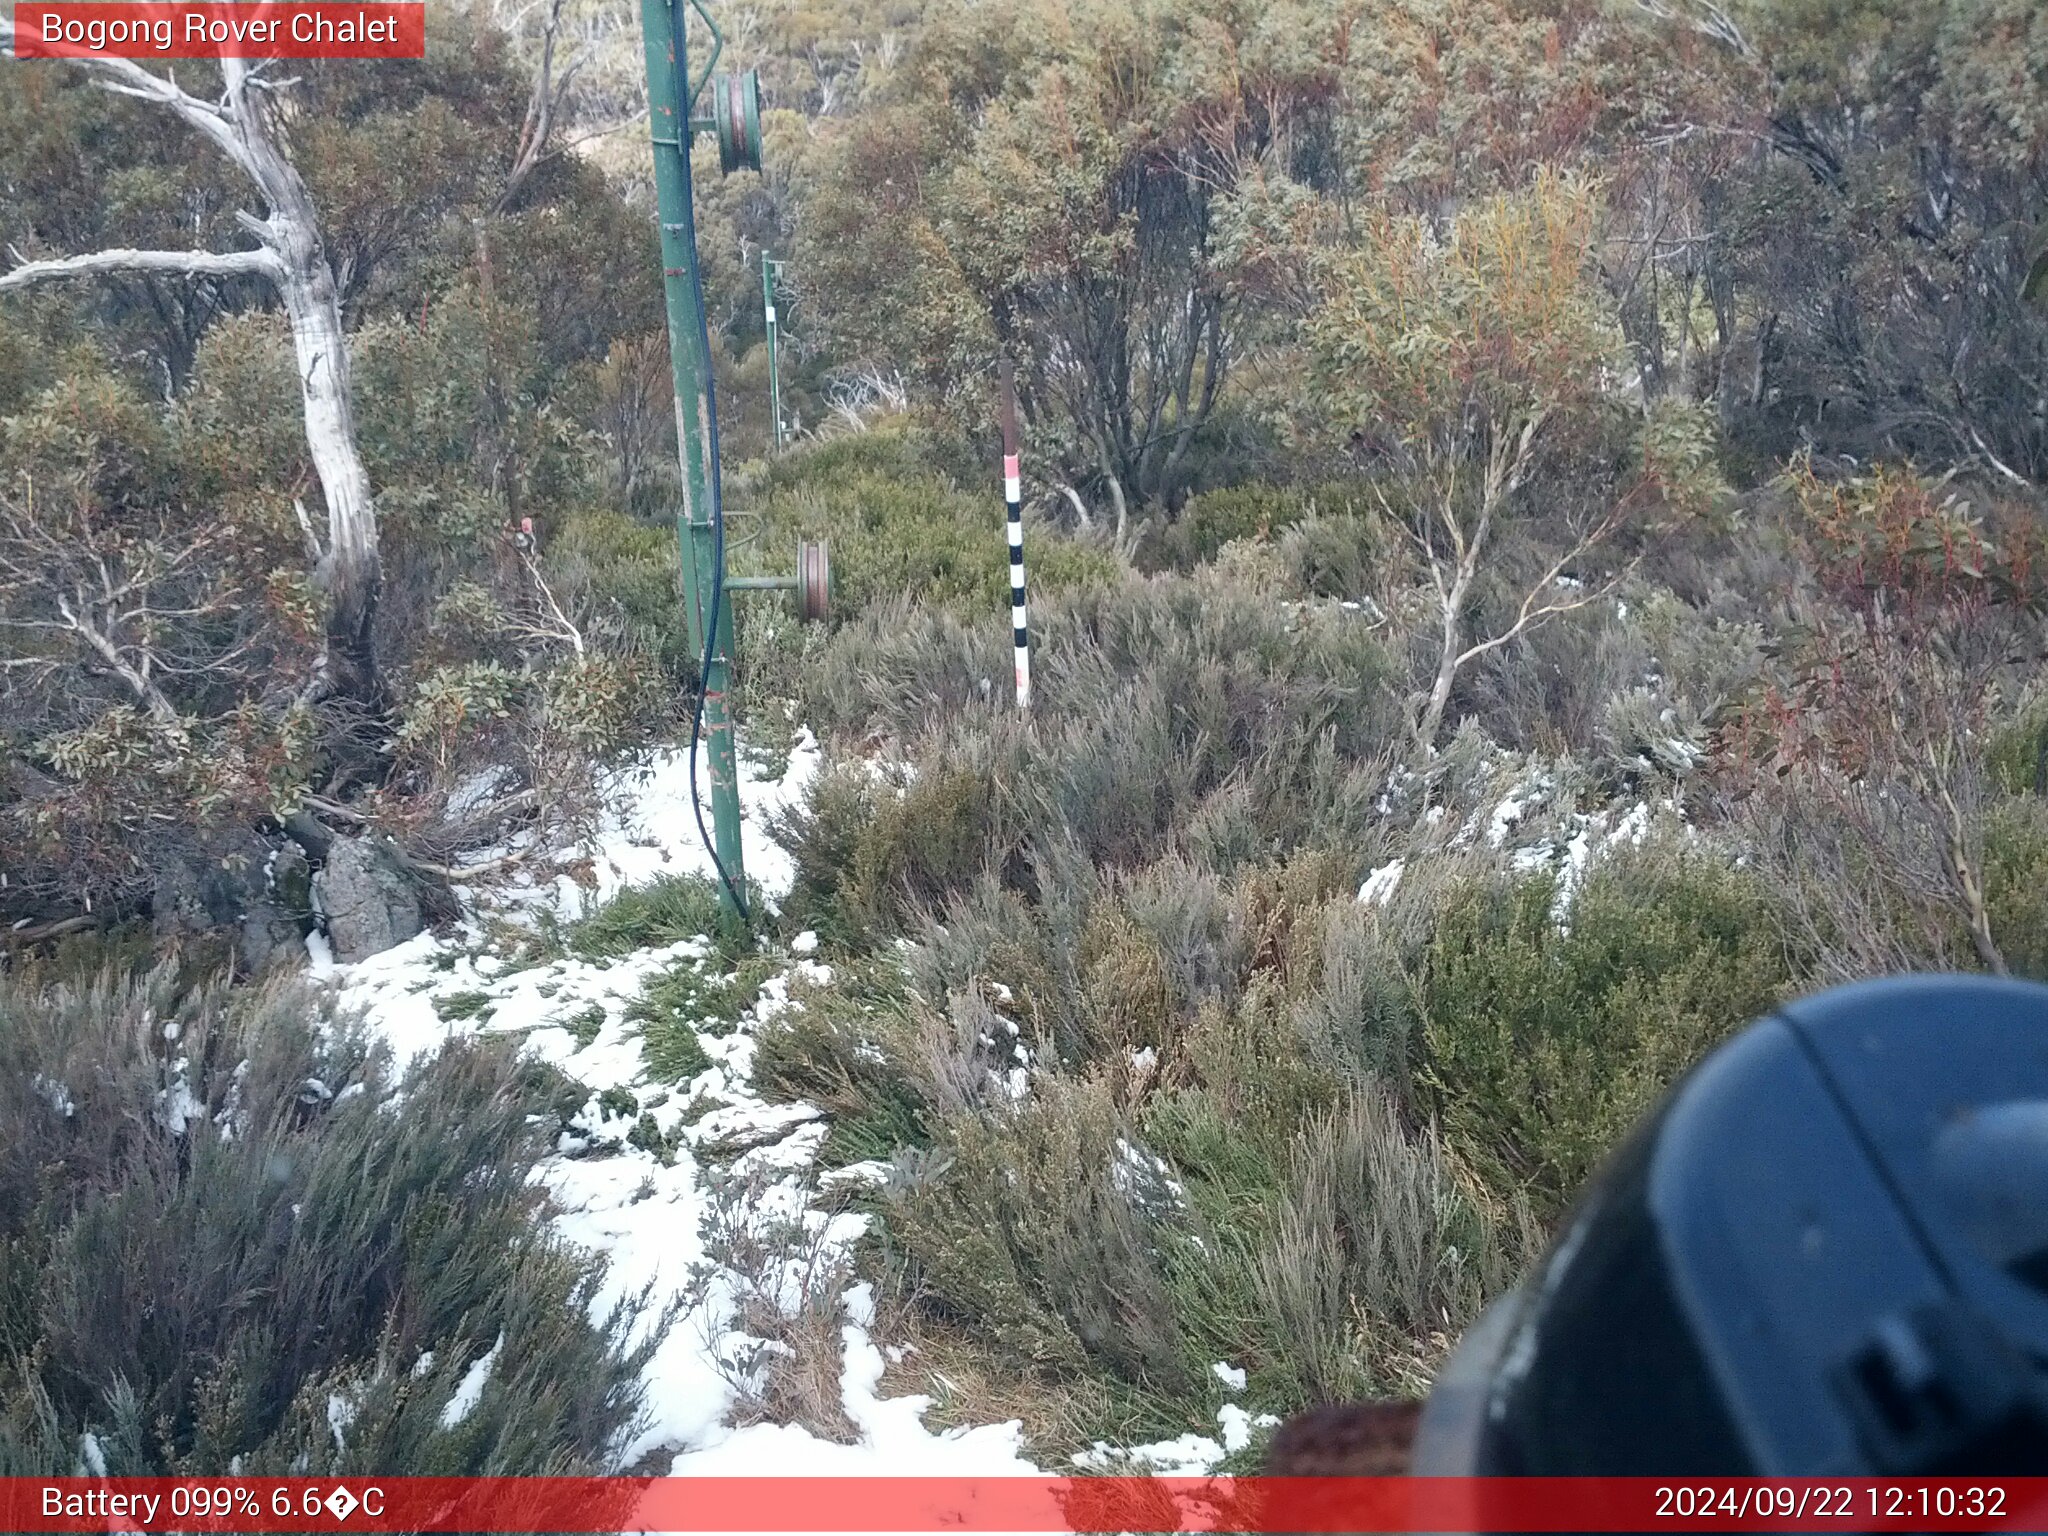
733 119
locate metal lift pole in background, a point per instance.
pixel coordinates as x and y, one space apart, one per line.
770 270
736 120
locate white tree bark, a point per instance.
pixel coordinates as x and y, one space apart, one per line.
1453 544
185 263
292 256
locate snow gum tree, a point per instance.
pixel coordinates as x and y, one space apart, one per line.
1076 198
1477 373
245 125
233 306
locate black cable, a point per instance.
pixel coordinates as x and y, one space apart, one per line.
684 135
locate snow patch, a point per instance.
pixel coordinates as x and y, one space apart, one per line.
1145 1177
1188 1455
472 793
1381 884
648 1209
340 1414
649 831
54 1094
176 1105
894 1440
470 1390
1237 1426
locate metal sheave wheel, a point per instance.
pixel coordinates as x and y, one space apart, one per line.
736 109
813 581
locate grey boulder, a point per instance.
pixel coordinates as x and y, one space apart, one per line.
369 902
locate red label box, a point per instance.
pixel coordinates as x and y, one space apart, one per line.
962 1506
264 29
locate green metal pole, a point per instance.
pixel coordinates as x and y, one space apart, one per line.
769 267
696 431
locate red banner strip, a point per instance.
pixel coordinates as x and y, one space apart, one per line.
203 29
1021 1504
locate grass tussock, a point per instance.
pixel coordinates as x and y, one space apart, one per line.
1545 1042
235 1236
788 1272
662 912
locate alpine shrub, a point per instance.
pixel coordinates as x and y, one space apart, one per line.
233 1234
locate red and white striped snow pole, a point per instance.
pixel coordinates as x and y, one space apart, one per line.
1013 500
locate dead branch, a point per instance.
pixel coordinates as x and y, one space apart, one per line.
243 125
558 626
543 107
47 931
464 873
178 263
1705 18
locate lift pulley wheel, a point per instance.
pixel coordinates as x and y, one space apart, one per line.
813 581
736 111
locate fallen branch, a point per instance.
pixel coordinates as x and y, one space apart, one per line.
46 931
463 874
340 812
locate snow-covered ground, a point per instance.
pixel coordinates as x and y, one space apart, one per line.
650 1217
653 1218
1536 823
650 830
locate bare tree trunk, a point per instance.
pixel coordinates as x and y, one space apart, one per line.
543 107
1084 519
1453 543
1452 644
1123 508
1964 869
351 571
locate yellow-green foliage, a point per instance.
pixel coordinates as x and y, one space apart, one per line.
1376 1253
1428 345
843 1050
1251 511
898 528
668 911
632 570
1040 1231
1126 1003
2016 882
194 1294
2016 756
1546 1041
866 854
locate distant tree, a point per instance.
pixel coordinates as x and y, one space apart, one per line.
1478 376
1872 243
1058 181
174 685
1862 751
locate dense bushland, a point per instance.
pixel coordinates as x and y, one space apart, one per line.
1159 1085
1535 548
1161 1089
166 570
